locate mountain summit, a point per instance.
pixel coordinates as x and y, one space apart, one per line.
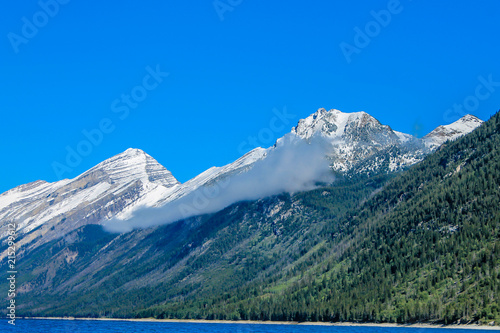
131 165
452 131
135 175
337 124
113 186
361 144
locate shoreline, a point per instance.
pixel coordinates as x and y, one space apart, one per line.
243 322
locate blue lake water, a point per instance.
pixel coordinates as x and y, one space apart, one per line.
94 326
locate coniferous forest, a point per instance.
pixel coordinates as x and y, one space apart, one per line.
425 248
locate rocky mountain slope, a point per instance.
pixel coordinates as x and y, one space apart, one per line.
53 209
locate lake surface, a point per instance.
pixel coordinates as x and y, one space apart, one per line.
98 326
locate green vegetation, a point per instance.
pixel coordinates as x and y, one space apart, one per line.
419 246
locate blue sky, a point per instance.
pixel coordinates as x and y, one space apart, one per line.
67 68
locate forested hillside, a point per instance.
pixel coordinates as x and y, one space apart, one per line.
426 248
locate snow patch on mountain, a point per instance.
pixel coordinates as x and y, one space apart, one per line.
451 132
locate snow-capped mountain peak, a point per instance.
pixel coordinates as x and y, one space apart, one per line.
134 164
327 123
354 136
443 133
356 126
123 181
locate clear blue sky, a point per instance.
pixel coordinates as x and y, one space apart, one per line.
226 76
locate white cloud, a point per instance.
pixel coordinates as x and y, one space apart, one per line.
293 165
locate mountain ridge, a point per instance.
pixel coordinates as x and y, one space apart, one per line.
120 185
